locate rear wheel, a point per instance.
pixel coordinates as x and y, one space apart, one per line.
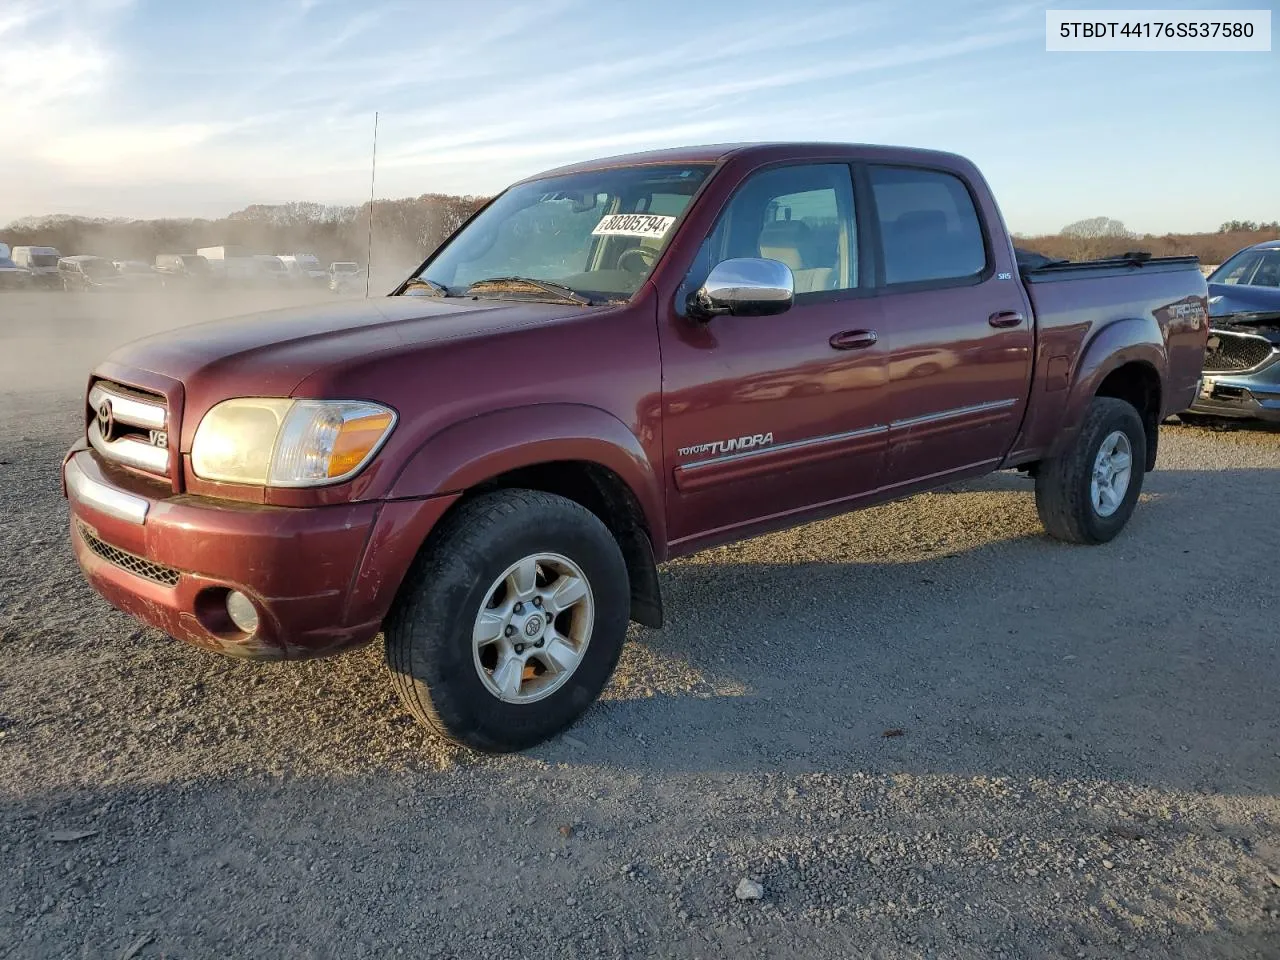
511 621
1087 494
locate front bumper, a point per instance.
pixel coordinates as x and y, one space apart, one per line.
1254 395
321 578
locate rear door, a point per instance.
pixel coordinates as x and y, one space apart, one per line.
956 320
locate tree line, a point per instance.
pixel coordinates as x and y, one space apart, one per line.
405 231
1099 237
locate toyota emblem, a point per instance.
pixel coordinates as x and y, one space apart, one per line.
106 420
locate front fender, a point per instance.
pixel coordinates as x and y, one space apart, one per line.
1129 340
473 451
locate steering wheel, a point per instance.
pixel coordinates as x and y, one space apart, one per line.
645 258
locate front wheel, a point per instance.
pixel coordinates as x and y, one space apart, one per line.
511 621
1087 494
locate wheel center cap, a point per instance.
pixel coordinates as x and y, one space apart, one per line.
533 626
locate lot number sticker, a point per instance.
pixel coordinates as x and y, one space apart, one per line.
633 225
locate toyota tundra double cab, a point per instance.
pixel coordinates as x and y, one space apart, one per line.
609 365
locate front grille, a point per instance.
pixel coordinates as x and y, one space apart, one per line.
1233 352
139 567
129 426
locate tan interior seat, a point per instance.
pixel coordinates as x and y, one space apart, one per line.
792 243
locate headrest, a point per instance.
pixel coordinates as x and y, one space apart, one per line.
784 233
785 240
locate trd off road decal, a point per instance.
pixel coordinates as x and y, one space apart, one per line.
732 445
633 225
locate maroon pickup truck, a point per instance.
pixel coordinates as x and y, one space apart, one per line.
609 365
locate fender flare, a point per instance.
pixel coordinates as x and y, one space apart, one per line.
468 453
1124 341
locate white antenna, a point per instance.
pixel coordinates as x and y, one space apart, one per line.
373 178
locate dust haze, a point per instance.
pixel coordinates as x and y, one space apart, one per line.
50 341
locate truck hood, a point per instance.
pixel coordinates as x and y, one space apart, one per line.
271 353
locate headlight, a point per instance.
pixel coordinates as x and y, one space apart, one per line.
288 443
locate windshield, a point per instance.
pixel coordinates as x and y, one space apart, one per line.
597 233
195 263
272 266
1250 268
44 259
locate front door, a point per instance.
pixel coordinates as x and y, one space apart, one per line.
764 417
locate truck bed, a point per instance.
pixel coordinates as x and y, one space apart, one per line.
1076 303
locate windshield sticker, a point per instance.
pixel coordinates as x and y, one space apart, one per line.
633 225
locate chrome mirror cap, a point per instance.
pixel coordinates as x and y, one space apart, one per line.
745 287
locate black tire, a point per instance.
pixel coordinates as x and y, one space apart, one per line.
428 634
1063 498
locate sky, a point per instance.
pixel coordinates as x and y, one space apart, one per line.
136 108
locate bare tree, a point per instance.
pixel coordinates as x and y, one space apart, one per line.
1095 237
1096 227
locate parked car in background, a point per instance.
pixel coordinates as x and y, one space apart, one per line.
138 273
272 273
41 263
343 275
303 268
487 466
12 276
232 265
1242 358
88 273
183 266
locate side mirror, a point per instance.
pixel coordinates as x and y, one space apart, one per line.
744 287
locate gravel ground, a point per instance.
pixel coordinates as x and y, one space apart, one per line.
924 730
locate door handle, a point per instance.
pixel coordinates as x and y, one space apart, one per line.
854 339
1005 318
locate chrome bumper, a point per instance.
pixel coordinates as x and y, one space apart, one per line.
100 496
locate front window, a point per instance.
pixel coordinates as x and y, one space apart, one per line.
44 259
598 234
798 215
1250 268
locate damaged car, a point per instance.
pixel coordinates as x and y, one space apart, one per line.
1242 357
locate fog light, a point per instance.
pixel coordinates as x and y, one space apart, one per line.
240 610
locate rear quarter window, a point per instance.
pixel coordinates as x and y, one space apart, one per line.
929 228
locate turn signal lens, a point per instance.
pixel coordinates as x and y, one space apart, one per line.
323 441
357 438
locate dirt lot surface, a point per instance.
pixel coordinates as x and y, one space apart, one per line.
924 730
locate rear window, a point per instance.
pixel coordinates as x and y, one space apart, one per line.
929 228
